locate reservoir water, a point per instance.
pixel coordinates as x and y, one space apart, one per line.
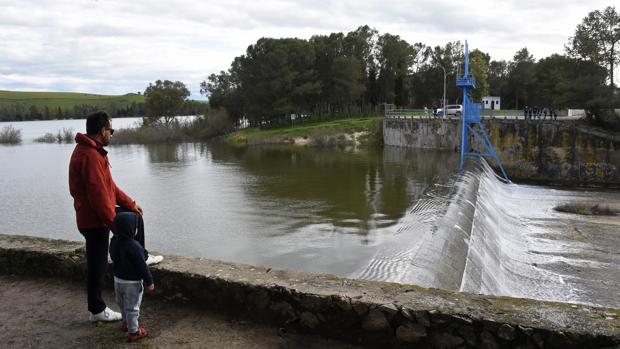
388 214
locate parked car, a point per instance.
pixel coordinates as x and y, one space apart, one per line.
454 109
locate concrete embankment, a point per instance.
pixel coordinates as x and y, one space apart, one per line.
562 152
374 313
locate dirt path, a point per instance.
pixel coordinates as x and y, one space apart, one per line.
47 313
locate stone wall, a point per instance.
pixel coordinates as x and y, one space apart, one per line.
562 152
373 313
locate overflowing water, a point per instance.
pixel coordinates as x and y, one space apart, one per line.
504 239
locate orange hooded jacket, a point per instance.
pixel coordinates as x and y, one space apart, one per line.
95 195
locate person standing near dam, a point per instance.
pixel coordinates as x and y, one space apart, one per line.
95 198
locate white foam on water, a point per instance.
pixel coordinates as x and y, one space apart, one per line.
521 247
484 236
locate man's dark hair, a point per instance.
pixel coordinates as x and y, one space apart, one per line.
96 121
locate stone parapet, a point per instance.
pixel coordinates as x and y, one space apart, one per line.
374 313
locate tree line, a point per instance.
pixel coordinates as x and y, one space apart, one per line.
21 111
357 72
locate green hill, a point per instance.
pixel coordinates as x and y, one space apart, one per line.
16 105
65 99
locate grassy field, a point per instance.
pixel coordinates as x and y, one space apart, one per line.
64 100
307 129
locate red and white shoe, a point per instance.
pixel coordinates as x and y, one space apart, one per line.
141 333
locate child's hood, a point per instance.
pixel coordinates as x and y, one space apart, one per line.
125 224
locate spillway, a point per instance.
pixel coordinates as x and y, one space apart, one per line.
477 234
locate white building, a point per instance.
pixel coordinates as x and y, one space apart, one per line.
491 102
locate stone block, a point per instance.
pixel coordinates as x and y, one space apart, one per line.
488 341
308 319
375 321
446 340
410 333
389 310
506 332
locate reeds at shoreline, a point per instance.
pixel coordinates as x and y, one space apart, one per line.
66 135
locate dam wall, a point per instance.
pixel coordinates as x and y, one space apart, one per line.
555 152
366 312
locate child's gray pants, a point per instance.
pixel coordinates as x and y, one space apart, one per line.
129 296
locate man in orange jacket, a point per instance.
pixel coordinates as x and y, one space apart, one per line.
95 198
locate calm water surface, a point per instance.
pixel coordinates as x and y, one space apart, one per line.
324 210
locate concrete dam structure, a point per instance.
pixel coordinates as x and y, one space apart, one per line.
559 152
508 239
480 235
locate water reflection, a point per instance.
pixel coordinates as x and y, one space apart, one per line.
177 154
355 191
322 210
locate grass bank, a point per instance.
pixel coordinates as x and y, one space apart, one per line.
358 131
352 131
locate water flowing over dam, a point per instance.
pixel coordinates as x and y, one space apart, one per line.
477 234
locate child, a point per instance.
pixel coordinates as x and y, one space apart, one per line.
130 271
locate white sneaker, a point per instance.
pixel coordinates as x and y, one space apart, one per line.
154 259
106 315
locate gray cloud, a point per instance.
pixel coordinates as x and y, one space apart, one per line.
114 46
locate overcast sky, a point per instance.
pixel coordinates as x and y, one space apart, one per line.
119 46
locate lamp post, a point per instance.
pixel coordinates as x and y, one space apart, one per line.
444 91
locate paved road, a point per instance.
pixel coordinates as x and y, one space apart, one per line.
47 313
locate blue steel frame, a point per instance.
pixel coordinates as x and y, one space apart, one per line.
471 118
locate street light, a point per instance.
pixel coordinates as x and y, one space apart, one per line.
444 91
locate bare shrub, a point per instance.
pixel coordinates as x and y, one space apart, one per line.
213 124
153 133
46 138
10 135
62 136
67 135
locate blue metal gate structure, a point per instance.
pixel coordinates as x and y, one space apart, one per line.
471 119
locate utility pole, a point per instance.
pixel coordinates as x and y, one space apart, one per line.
444 90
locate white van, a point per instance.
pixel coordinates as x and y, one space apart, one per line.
453 109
